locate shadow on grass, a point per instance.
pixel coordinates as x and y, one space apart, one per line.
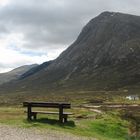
53 122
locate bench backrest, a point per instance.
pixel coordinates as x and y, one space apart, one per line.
47 104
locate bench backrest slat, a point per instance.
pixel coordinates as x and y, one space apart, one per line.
46 104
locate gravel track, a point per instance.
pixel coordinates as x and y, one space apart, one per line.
16 133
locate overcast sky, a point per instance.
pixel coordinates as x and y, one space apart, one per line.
34 31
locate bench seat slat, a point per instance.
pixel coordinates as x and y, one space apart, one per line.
50 112
45 112
47 104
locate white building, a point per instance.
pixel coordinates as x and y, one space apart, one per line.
133 97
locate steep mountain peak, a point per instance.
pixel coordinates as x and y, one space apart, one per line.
108 13
110 16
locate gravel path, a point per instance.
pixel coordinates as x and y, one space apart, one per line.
16 133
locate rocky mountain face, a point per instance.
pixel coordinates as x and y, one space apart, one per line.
105 55
15 74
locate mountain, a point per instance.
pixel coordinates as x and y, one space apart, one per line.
36 69
15 73
106 55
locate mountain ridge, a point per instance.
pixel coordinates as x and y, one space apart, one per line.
105 55
15 73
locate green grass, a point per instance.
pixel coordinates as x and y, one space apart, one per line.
110 127
84 123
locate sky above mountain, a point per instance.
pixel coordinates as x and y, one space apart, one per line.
34 31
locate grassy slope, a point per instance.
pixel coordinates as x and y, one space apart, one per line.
83 123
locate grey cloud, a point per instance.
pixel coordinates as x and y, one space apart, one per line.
52 22
40 26
3 30
2 65
5 66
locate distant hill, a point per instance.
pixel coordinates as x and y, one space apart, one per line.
35 70
15 73
106 55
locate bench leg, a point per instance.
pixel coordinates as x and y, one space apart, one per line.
65 118
29 117
61 114
29 113
34 116
60 119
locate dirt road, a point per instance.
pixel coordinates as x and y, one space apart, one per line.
16 133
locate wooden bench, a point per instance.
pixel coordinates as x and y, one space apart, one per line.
61 106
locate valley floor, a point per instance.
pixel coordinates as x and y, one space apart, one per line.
117 120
